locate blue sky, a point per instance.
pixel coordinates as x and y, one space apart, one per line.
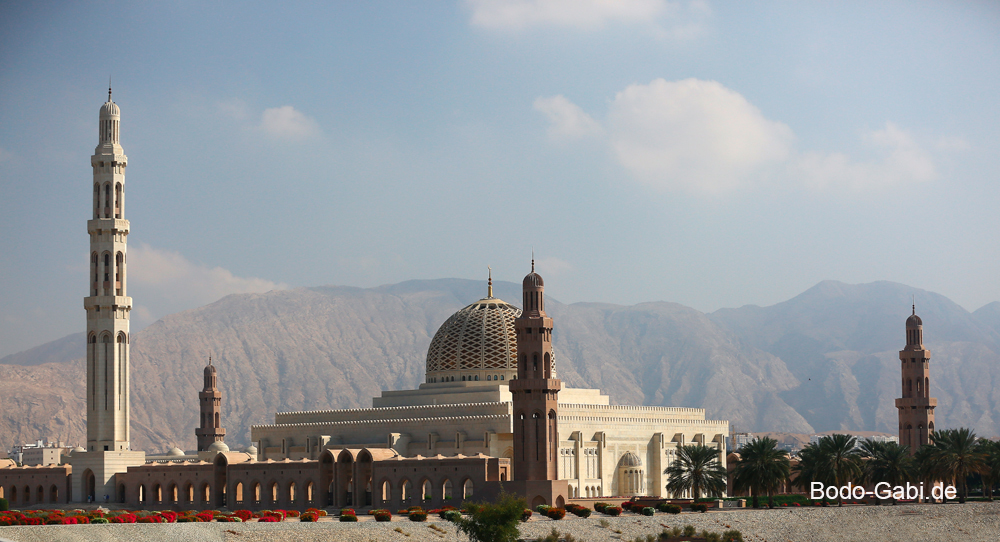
712 154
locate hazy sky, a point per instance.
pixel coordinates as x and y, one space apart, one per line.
712 154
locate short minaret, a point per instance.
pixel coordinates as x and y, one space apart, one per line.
210 402
916 406
535 401
108 306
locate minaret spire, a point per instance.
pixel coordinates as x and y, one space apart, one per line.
489 284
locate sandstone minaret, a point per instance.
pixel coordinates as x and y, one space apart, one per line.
534 397
210 401
916 407
108 306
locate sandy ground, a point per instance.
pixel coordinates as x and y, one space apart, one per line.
905 523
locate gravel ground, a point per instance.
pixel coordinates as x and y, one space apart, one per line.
905 523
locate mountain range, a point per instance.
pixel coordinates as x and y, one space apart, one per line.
823 360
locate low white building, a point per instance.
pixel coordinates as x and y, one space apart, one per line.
464 407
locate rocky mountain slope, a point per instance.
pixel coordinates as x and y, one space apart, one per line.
823 360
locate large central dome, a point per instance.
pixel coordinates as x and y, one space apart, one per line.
476 343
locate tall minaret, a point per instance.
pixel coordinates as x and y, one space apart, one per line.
210 401
916 407
108 304
535 405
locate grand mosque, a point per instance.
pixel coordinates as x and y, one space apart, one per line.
490 413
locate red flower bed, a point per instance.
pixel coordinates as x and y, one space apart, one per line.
613 510
168 516
124 518
556 513
243 514
309 516
151 519
267 519
205 516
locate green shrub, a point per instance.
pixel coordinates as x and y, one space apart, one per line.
732 535
648 511
418 515
699 507
613 510
496 522
4 505
383 515
451 515
689 530
600 506
541 508
669 508
99 520
582 511
348 518
526 515
713 537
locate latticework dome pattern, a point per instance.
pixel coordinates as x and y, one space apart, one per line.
479 337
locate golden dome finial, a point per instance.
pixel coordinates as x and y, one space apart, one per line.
489 284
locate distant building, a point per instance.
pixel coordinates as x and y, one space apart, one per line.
739 440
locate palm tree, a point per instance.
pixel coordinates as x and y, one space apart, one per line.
990 451
762 467
958 457
696 468
810 467
927 467
887 462
842 460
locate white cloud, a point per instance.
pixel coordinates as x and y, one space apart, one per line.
699 136
566 119
581 14
694 135
166 282
900 160
288 123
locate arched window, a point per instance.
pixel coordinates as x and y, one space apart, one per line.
218 422
548 362
291 492
97 200
274 492
534 362
239 493
119 272
488 378
927 387
405 491
118 200
107 200
386 491
427 491
467 489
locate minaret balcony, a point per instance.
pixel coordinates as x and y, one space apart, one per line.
918 402
97 225
107 301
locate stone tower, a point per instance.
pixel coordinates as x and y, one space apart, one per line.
108 306
534 397
916 406
210 401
